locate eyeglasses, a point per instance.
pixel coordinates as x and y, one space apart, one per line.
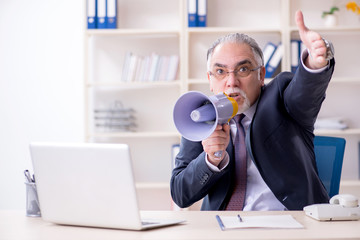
241 72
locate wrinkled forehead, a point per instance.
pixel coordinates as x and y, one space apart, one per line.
231 55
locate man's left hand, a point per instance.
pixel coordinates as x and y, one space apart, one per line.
313 42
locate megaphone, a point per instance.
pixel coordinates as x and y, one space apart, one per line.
197 115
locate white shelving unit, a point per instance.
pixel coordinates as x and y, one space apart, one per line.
342 94
161 26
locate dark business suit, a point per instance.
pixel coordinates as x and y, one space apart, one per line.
279 141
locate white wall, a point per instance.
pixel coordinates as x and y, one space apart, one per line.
41 74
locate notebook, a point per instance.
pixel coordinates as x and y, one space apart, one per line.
88 184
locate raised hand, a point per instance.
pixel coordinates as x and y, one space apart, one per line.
313 42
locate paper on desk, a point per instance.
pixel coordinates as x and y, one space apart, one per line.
268 221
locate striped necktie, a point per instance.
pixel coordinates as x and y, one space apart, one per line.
237 199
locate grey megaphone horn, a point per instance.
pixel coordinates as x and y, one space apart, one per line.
197 115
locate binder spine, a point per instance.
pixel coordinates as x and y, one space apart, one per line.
201 13
111 14
192 13
101 14
91 13
295 54
274 61
268 52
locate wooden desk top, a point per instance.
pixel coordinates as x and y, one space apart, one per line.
199 225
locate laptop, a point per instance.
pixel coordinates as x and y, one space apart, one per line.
88 184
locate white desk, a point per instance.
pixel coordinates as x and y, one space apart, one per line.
200 225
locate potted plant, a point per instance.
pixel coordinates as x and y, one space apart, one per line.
330 17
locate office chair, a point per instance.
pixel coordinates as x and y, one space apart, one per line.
329 154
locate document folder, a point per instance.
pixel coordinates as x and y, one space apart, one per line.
201 13
111 13
101 14
192 13
274 62
295 54
91 14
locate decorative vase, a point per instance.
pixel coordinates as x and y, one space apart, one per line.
330 20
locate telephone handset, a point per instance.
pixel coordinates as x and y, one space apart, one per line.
340 207
345 200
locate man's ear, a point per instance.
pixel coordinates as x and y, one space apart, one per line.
209 79
262 75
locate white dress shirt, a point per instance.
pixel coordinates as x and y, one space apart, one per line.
259 197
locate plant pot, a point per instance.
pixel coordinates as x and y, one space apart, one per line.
330 20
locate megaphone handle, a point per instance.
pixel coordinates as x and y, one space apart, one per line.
218 154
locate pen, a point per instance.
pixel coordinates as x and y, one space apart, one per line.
221 224
240 219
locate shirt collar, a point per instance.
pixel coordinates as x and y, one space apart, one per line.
251 111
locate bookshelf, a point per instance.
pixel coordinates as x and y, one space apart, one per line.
144 28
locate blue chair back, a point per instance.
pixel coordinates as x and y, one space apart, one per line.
329 154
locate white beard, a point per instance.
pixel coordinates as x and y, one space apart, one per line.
246 104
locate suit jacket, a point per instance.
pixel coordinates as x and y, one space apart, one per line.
279 141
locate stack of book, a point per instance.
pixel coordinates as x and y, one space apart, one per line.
150 68
115 118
